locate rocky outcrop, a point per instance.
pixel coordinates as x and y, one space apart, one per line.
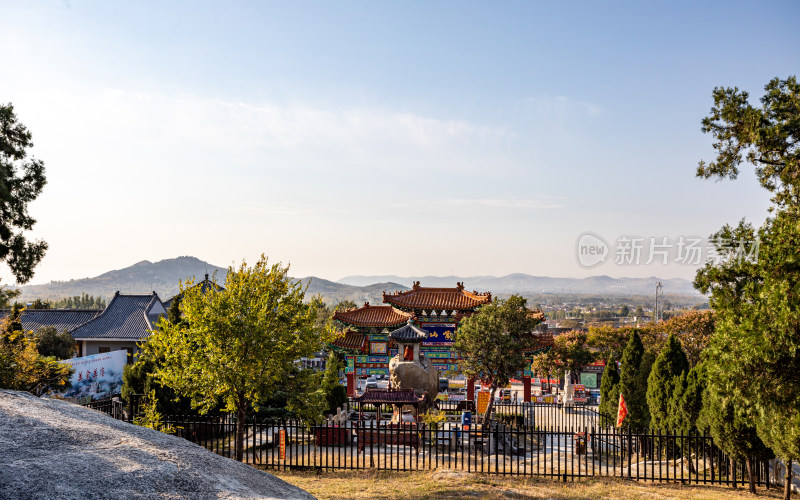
54 449
420 375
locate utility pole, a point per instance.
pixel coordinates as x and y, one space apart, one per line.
659 292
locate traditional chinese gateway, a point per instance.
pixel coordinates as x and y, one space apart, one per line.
367 346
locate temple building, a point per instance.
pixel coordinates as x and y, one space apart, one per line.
365 339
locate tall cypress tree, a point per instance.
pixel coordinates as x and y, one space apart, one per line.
670 364
687 400
733 431
633 382
609 391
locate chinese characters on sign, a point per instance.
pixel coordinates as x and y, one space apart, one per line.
593 250
98 375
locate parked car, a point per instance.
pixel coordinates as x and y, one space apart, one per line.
372 383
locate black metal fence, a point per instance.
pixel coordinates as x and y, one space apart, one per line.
117 408
523 439
565 454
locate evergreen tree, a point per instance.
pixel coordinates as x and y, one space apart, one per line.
733 431
174 313
757 333
21 181
138 380
39 304
335 392
670 364
609 392
51 342
634 370
686 403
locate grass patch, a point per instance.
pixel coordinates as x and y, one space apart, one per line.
454 484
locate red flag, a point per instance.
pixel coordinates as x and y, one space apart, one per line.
622 411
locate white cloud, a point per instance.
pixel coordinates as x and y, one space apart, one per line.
561 106
542 203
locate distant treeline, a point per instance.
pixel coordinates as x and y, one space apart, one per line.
83 301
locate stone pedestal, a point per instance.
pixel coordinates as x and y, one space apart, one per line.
419 375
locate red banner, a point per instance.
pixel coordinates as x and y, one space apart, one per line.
282 444
622 411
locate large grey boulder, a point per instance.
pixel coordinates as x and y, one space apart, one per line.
420 375
52 449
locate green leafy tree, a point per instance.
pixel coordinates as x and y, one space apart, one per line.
238 345
51 342
322 314
493 341
22 368
694 330
670 364
150 417
544 365
570 349
609 392
634 370
608 341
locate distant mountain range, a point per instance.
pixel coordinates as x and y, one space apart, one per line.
527 284
163 277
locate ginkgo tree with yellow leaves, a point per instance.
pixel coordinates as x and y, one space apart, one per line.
237 346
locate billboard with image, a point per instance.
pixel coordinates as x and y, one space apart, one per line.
98 375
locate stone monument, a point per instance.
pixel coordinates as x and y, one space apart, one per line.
410 369
569 391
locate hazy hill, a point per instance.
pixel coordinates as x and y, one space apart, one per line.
333 292
525 283
163 277
143 277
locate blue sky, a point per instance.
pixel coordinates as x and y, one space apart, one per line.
381 138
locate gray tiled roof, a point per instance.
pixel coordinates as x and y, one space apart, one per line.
125 317
409 333
204 285
60 319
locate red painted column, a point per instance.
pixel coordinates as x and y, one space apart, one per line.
471 389
351 384
526 389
